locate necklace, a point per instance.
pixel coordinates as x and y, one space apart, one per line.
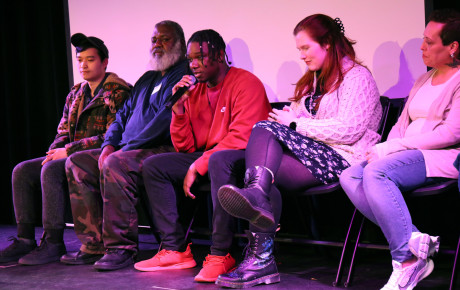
314 98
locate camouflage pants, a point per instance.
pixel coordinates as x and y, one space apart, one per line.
103 203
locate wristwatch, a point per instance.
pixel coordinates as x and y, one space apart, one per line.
293 125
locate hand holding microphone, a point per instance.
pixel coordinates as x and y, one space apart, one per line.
179 93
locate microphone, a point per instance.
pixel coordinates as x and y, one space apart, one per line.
179 93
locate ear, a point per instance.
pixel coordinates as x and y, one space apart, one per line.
105 63
327 46
221 56
453 47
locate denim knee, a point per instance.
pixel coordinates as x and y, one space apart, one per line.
351 177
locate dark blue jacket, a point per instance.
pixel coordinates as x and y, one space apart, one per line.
144 121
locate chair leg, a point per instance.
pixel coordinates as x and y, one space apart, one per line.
338 278
454 268
191 221
350 270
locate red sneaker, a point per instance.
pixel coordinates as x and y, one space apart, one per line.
213 266
168 260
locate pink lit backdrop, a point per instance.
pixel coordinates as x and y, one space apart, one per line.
259 35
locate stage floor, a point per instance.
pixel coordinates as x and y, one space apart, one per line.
301 267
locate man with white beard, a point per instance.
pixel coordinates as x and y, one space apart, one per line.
103 183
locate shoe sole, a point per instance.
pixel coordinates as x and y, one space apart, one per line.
185 265
11 259
128 262
81 262
426 246
269 279
239 206
199 278
26 262
202 279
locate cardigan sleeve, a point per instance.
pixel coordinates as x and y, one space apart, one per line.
356 98
446 134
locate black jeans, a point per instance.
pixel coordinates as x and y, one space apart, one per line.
163 176
28 178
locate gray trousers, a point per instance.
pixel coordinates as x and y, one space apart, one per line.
29 179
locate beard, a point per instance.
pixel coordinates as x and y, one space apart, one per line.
167 60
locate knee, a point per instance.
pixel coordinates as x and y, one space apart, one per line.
226 161
51 168
261 124
374 170
27 171
352 177
20 170
155 164
74 160
114 162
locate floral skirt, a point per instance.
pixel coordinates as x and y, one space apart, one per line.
325 163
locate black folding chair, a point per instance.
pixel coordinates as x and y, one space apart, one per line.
391 108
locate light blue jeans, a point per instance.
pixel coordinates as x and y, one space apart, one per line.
376 191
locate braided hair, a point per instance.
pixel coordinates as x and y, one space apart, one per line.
215 43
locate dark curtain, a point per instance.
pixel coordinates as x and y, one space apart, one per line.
34 83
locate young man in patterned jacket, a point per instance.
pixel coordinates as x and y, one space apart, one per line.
89 110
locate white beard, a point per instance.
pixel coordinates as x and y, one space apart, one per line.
167 60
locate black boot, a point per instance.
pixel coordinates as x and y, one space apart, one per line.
251 203
258 266
46 252
115 259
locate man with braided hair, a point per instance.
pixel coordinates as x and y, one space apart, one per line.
216 114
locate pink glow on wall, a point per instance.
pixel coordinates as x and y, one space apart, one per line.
259 35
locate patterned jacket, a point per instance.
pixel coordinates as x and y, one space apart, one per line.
84 128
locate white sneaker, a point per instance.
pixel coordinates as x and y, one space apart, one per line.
423 246
408 277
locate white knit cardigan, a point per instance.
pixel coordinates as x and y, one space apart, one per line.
348 118
439 140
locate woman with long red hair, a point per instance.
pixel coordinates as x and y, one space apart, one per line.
331 123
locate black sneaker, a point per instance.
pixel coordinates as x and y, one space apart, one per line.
80 258
45 253
115 259
16 250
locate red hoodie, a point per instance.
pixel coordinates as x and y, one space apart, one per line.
240 102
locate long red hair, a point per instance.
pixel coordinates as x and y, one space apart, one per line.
325 30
